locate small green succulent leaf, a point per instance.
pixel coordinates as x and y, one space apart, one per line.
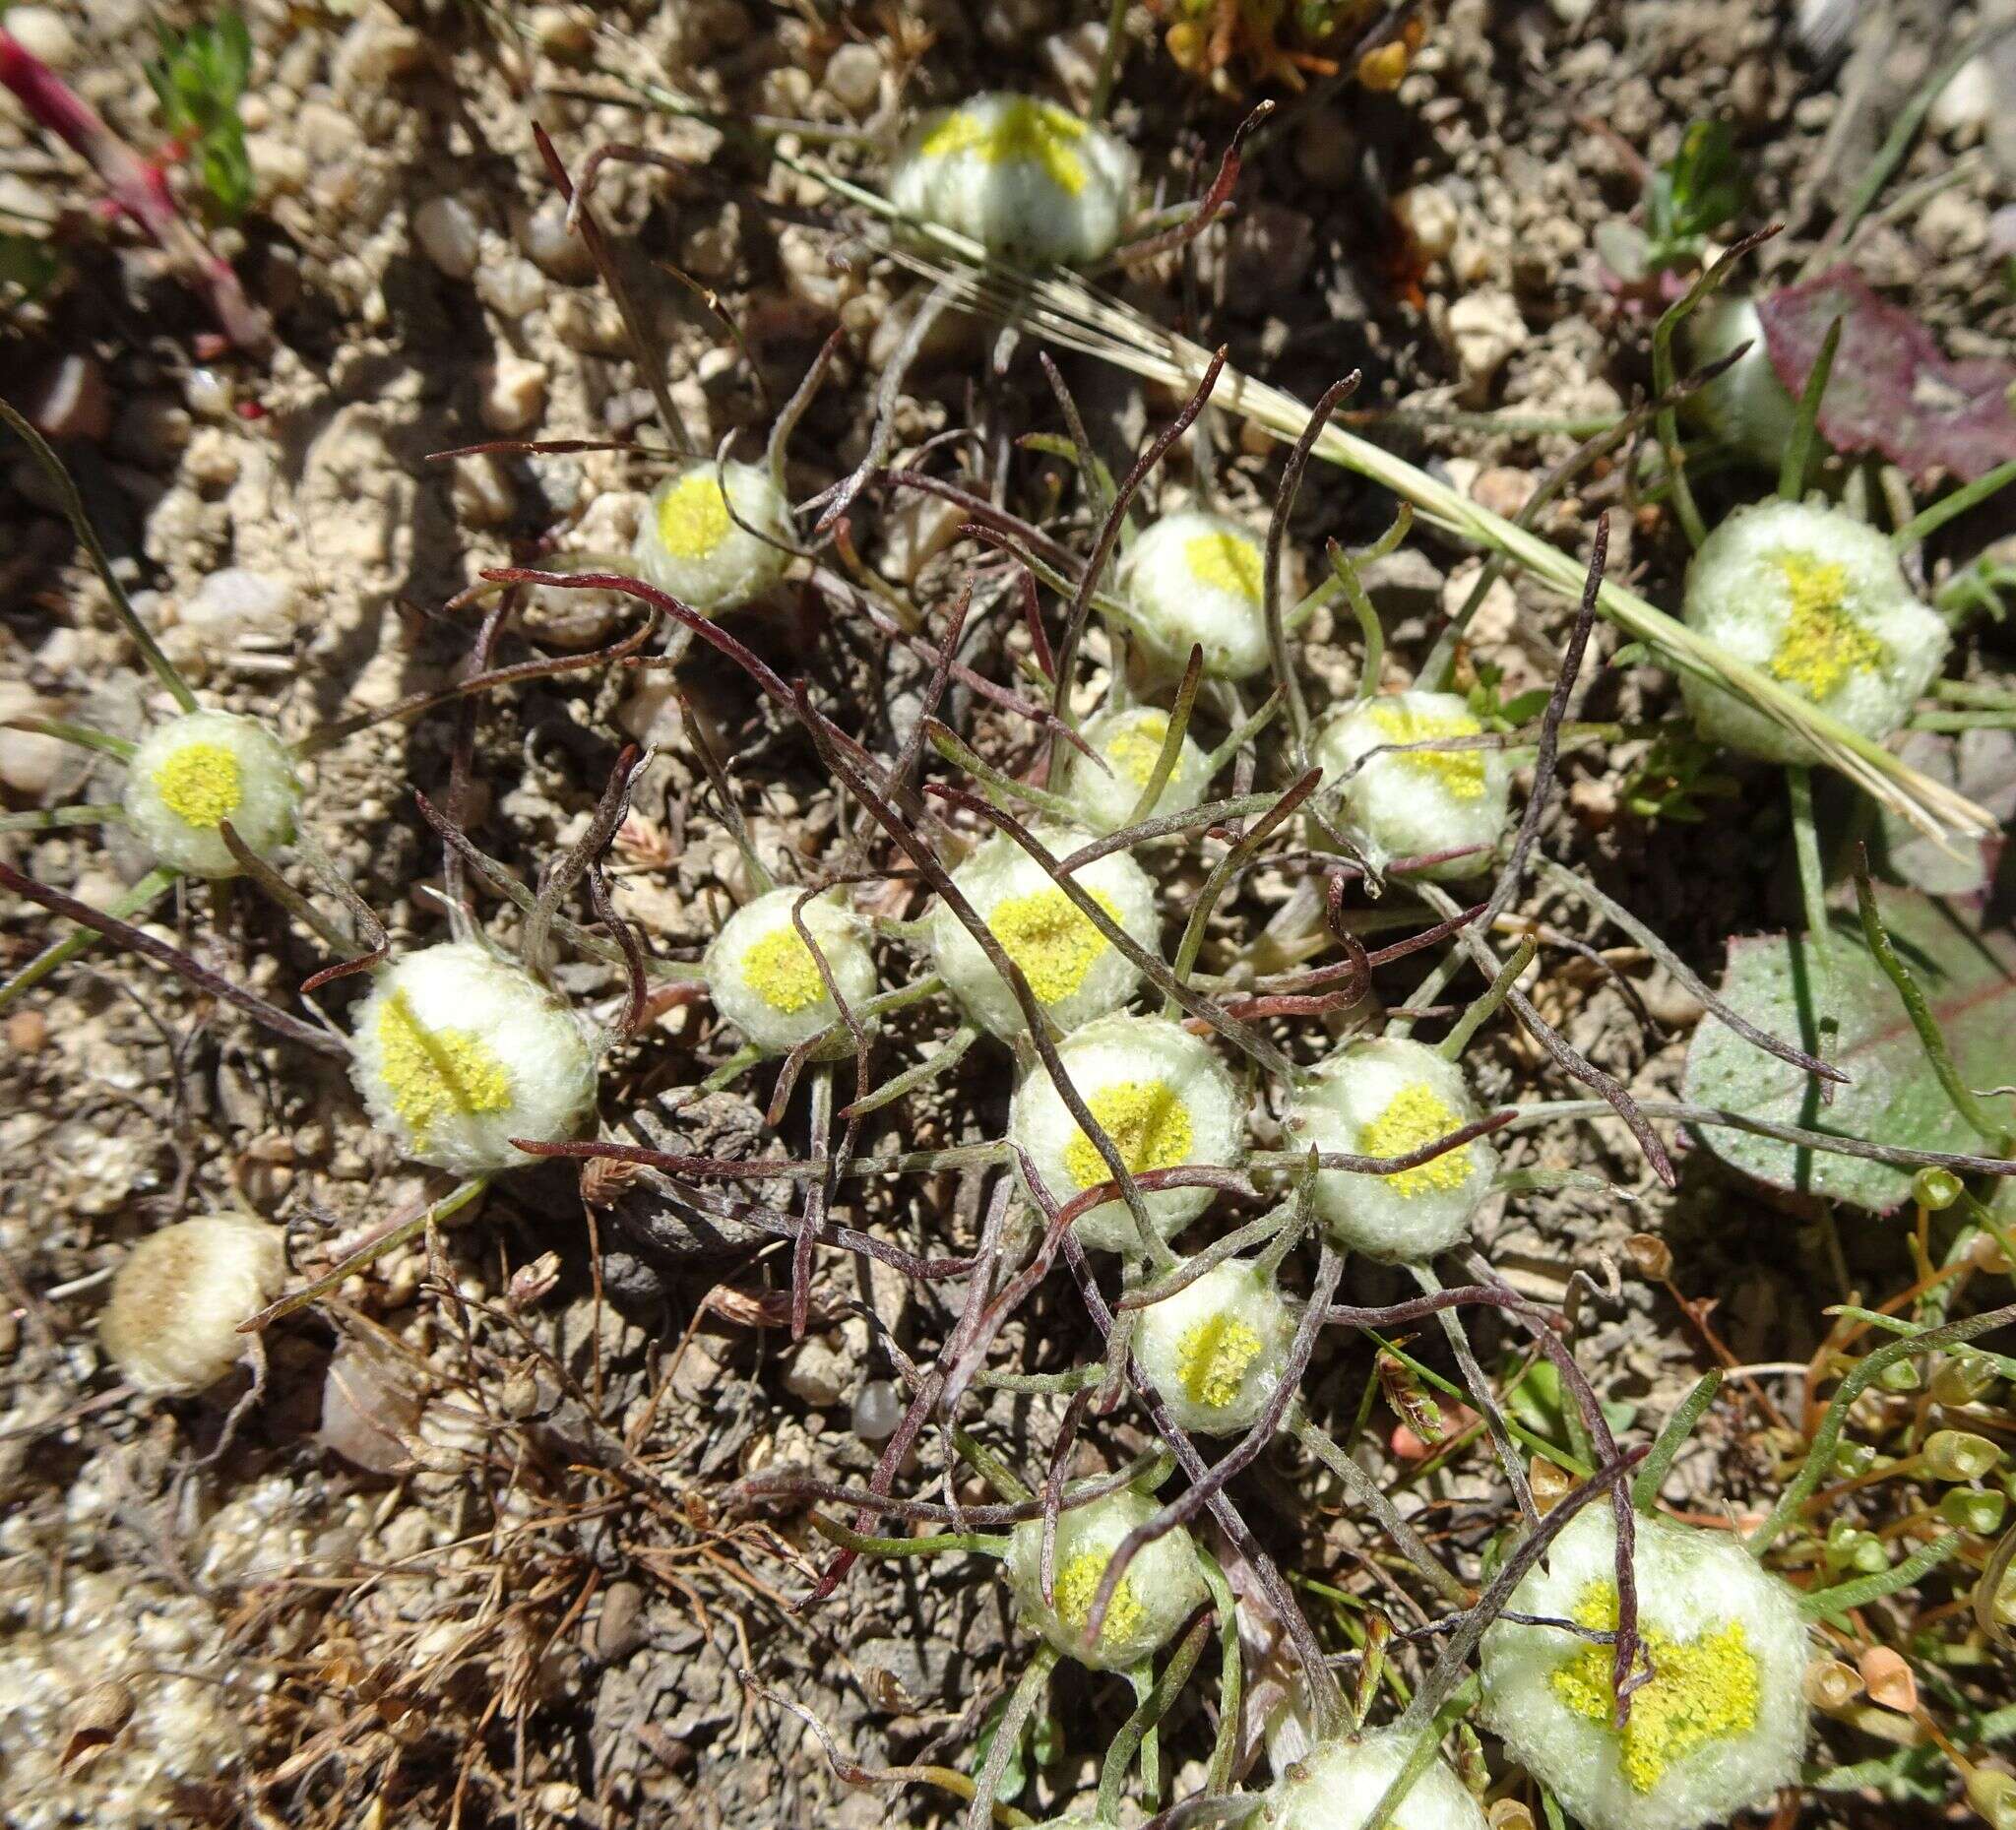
1846 1011
1696 192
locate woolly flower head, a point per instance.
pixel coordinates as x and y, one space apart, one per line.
1215 1350
1407 802
1130 742
172 1325
690 546
1816 600
1159 1093
457 1051
1721 1723
1746 404
1023 177
1195 578
195 772
764 980
1162 1587
1337 1784
1074 971
1387 1097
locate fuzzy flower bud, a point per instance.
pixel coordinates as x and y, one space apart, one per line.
1024 178
457 1051
172 1325
1215 1350
1195 578
1409 802
195 772
1815 601
1074 971
1337 1784
1721 1724
1162 1588
1386 1096
764 980
1132 743
691 546
1159 1093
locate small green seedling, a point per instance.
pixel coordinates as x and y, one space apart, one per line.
199 78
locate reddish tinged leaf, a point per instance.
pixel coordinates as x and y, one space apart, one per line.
1893 389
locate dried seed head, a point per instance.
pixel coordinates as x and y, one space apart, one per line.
1214 1350
689 544
172 1325
1156 1595
1386 1096
1074 971
1159 1093
457 1051
1198 580
1816 600
1410 804
1131 742
193 772
1960 1455
1719 1725
1024 178
764 980
1337 1784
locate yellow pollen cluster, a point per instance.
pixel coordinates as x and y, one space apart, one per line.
1054 942
435 1074
1026 131
693 517
1414 1116
199 784
1212 1359
782 970
1078 1582
1225 562
1822 644
1461 771
1702 1689
1135 750
1149 1125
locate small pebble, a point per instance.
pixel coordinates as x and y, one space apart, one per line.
1427 215
236 605
376 49
29 765
449 235
562 30
878 1410
72 400
42 32
514 393
557 253
28 1032
1483 331
208 394
511 288
481 492
854 77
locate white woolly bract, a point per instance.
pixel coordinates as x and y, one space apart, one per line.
689 545
219 767
763 977
1148 1082
1411 803
1690 1583
1023 177
172 1324
1816 600
457 1051
1746 404
1388 1097
1230 1328
1336 1785
1197 579
1075 972
1162 1588
1131 742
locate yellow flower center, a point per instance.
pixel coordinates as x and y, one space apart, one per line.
783 972
1461 771
1052 939
1149 1125
1702 1689
1078 1582
1225 562
1136 748
1414 1116
1025 132
1212 1359
199 784
693 515
435 1074
1822 644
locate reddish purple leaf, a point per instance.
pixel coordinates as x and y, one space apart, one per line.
1893 390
